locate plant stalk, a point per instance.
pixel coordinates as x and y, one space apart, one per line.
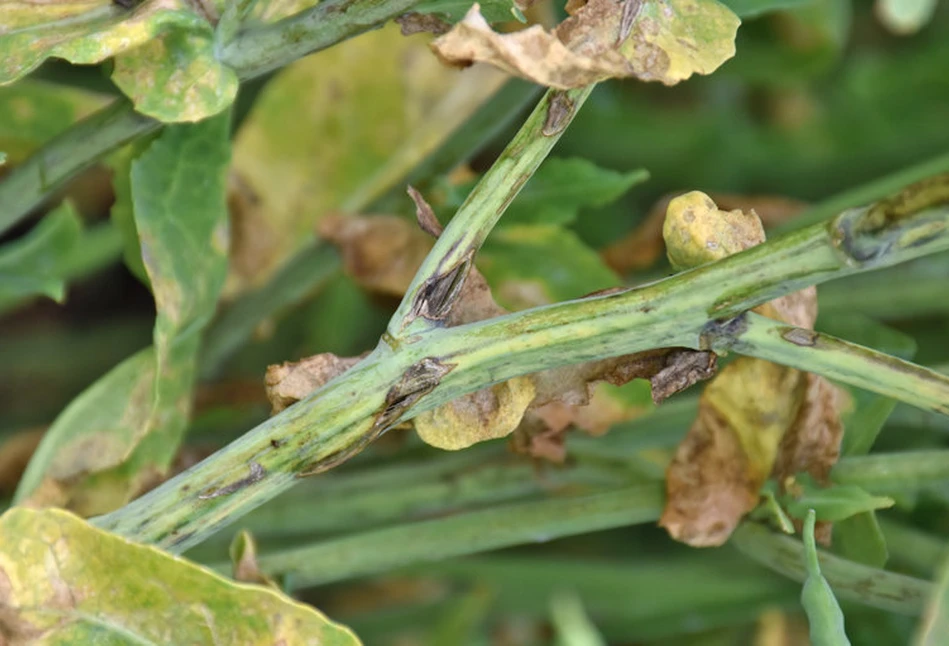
441 364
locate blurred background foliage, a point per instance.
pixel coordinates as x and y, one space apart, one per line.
821 98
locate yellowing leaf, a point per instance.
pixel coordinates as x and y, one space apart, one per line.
124 430
653 40
67 582
756 419
483 415
697 232
163 50
331 132
176 77
32 112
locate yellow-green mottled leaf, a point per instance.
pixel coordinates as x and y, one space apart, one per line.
33 264
82 31
327 127
124 431
32 112
175 77
527 265
673 39
67 582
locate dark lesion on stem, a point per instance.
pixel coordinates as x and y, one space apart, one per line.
257 473
437 294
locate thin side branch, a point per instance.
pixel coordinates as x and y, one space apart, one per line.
439 279
835 358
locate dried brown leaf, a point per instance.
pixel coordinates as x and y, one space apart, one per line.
291 381
381 253
664 40
245 568
427 221
756 418
420 23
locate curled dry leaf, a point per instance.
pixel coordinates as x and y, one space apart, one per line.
756 418
290 382
658 40
643 246
382 254
244 565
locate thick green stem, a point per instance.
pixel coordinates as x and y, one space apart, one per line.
894 472
850 363
439 279
852 581
444 363
466 533
258 51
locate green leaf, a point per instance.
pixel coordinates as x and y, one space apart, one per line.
163 50
32 112
755 8
534 264
833 503
124 430
176 77
61 587
122 214
33 265
454 10
561 186
860 539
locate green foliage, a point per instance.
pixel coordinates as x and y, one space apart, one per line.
34 265
235 272
82 601
125 429
181 81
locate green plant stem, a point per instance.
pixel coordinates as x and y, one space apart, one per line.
837 359
261 50
851 581
67 154
893 472
445 268
870 192
466 533
441 364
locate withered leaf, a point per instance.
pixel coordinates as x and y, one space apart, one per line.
381 253
482 415
419 23
291 381
246 569
662 40
643 246
756 418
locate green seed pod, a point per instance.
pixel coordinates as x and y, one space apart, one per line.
823 611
